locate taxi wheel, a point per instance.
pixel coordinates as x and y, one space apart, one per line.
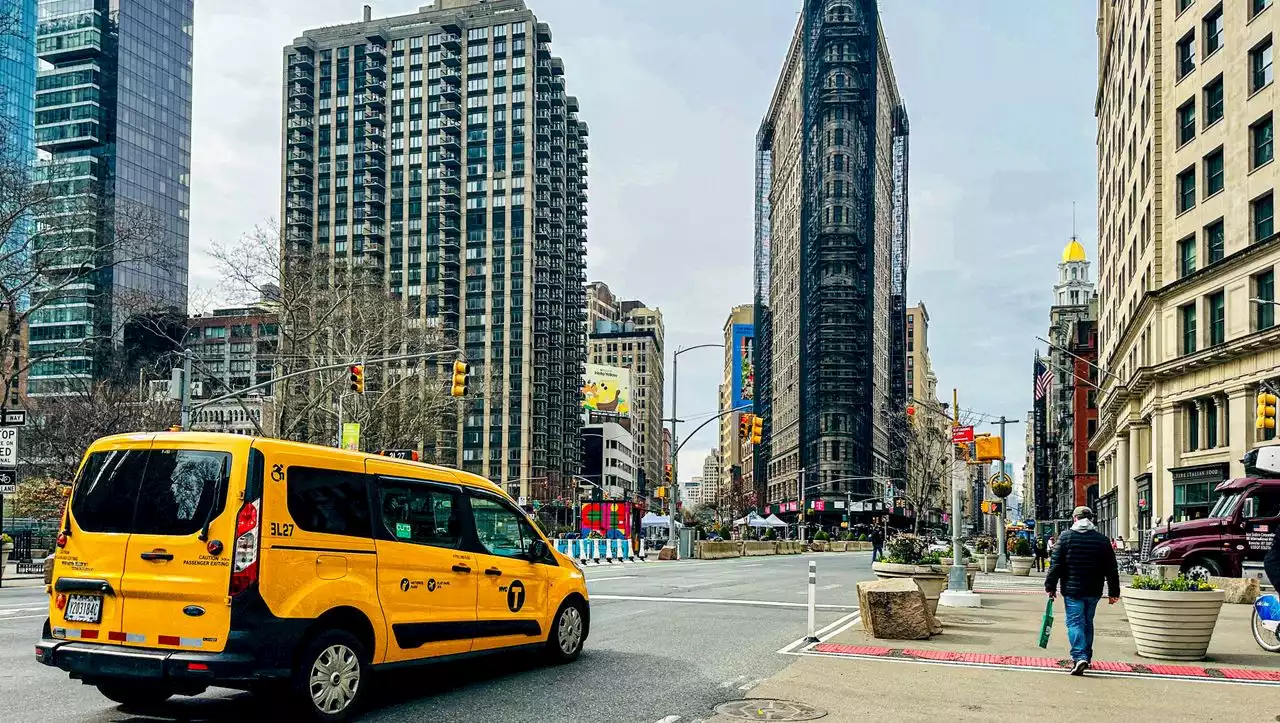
331 676
568 632
132 694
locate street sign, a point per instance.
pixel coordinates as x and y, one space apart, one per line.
14 418
8 481
8 447
961 435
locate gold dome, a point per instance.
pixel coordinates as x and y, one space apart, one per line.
1073 252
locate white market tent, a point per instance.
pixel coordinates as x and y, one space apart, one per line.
652 520
773 521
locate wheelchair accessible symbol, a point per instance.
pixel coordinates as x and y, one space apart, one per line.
515 596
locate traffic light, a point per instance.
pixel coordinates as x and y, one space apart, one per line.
911 413
460 370
744 427
357 378
757 429
992 507
666 474
1266 411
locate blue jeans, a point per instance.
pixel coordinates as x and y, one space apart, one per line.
876 553
1080 612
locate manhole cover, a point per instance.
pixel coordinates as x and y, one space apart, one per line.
968 621
769 709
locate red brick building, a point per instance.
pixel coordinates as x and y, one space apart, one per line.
1085 412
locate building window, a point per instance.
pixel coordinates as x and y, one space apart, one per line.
1210 423
1260 64
1264 290
1257 6
1186 54
1262 138
1187 190
1193 427
1213 102
1184 4
1215 240
1264 217
1188 314
1187 121
1216 305
1213 31
1187 256
1214 176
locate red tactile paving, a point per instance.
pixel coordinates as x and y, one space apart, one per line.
850 649
1018 661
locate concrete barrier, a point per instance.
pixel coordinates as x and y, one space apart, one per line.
837 546
718 550
752 548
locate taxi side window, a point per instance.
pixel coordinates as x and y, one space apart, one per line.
1264 503
421 514
329 501
501 530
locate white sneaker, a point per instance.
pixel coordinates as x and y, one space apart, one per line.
1078 668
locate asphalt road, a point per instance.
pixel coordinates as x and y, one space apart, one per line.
667 640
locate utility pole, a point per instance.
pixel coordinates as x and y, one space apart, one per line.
1000 526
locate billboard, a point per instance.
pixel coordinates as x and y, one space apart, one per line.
607 390
744 373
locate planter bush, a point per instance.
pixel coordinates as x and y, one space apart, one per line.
1171 619
1022 559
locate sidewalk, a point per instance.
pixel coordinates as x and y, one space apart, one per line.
987 665
13 579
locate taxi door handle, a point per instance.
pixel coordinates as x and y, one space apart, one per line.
165 556
493 571
461 568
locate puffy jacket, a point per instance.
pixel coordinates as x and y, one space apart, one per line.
1082 561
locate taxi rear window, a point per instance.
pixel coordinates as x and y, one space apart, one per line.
151 492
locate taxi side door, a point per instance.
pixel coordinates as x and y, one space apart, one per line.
426 577
511 602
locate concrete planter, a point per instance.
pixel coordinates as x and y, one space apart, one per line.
987 561
817 546
1172 625
931 579
1021 565
5 551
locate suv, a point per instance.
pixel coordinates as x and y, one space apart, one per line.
1239 529
190 560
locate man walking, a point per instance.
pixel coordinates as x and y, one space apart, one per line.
877 544
1082 561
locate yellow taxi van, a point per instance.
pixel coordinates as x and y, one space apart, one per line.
189 560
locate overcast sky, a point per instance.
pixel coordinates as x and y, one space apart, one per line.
1000 98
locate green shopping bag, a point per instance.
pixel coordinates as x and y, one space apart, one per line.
1046 623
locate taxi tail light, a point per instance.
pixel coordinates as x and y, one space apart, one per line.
62 540
61 601
244 561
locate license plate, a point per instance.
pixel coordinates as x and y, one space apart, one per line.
83 609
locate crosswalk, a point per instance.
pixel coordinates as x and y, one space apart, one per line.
983 581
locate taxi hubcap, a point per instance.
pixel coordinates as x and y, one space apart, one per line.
570 633
335 678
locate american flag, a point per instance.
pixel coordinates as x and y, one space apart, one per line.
1044 378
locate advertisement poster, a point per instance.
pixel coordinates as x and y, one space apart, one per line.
744 374
351 436
610 519
607 390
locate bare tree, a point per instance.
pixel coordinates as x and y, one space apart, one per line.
336 311
60 428
931 461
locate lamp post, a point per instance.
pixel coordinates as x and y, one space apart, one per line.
957 594
675 441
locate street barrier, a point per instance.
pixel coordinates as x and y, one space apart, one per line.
835 546
752 548
644 550
718 550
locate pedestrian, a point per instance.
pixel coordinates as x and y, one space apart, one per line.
877 544
1120 546
1082 561
1042 553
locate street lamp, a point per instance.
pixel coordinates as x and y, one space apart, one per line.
675 448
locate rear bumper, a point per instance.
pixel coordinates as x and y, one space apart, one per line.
96 661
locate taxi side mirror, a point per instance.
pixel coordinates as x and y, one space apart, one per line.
538 550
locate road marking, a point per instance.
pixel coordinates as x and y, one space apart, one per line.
829 631
7 618
750 684
15 611
606 579
670 719
832 586
733 683
719 601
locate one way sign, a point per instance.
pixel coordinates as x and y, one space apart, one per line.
8 481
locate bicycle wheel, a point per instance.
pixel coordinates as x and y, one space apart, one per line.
1266 639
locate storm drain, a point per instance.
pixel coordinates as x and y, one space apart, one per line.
769 709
